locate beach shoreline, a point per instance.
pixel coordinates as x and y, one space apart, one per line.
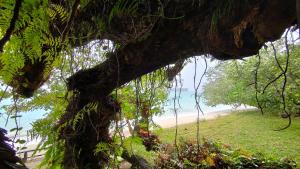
188 117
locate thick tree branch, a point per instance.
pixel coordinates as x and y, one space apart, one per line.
251 29
182 29
173 71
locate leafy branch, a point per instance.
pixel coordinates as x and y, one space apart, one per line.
12 25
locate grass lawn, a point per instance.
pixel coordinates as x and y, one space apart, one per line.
249 131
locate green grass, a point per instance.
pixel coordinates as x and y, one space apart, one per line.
249 131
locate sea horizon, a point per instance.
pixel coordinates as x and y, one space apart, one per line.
186 107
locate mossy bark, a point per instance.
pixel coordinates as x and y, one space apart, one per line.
85 124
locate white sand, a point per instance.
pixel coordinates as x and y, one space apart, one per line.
186 118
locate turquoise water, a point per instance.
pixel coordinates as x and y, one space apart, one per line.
25 121
186 106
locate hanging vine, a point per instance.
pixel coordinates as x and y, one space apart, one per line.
256 84
284 72
197 98
176 117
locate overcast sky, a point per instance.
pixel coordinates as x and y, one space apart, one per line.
189 70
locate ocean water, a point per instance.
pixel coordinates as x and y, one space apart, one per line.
185 106
25 121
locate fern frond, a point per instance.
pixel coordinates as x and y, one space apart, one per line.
85 110
58 11
125 7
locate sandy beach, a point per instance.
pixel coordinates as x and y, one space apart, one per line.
186 118
169 122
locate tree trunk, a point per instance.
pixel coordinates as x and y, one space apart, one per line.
85 124
8 157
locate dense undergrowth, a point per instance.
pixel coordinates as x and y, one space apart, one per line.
210 154
244 138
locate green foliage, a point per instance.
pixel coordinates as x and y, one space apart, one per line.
233 82
132 140
52 98
225 85
225 8
113 150
58 11
248 130
31 34
46 128
84 111
144 98
214 155
103 147
124 7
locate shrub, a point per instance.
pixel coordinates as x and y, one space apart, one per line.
210 155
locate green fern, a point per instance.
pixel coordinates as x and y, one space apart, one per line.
58 11
124 7
225 8
85 110
30 35
11 61
6 8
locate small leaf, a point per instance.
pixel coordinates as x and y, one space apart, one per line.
13 129
13 117
21 141
23 148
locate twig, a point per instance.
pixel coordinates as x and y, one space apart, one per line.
71 19
3 93
6 121
180 90
16 113
137 100
152 94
